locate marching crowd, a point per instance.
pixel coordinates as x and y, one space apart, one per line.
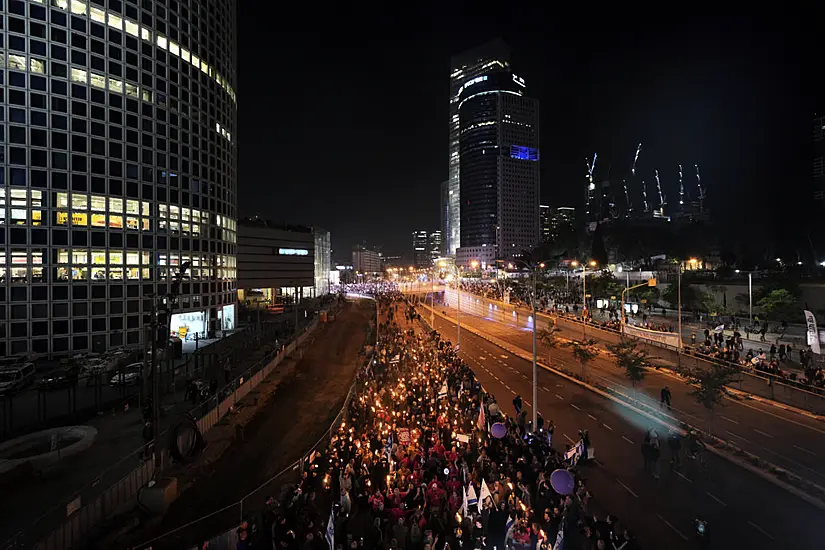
426 459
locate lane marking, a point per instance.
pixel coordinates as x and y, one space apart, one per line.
739 436
760 432
728 419
567 437
597 462
560 397
508 387
626 439
544 389
804 450
715 498
575 407
608 427
593 417
672 527
752 524
628 489
683 476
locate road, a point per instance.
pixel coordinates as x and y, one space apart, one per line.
743 510
785 437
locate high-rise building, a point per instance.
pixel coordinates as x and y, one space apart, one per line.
544 222
560 218
499 168
486 59
435 246
444 213
120 169
365 261
421 249
819 158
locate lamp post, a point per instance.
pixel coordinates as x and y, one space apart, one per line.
750 296
592 263
533 271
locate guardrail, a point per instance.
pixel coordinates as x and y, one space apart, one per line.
754 382
70 521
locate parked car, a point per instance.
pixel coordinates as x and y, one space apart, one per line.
131 375
57 379
14 379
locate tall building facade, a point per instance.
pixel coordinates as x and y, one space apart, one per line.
117 167
421 249
489 58
544 223
819 159
499 168
365 261
435 246
444 214
561 217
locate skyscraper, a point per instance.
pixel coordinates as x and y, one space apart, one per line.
444 213
121 169
499 168
421 249
544 222
435 245
561 218
486 59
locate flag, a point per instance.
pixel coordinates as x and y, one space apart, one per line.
331 531
485 492
388 451
559 545
507 528
396 359
443 391
472 499
481 422
812 332
465 506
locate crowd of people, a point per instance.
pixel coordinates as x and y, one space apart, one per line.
426 459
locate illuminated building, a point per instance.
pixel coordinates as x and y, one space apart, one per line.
435 246
421 249
499 167
119 167
486 59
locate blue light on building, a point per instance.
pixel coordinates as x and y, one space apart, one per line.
524 153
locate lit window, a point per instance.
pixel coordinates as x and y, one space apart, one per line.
196 61
37 217
146 95
79 75
98 80
116 85
132 207
145 258
174 48
19 198
174 212
185 214
62 4
62 200
116 222
63 256
80 274
17 62
145 223
185 55
131 90
98 203
37 198
97 15
80 257
18 216
37 66
115 21
163 211
116 205
204 68
132 223
37 258
98 257
131 28
98 220
80 202
144 208
146 34
79 7
196 229
133 258
98 273
162 42
115 258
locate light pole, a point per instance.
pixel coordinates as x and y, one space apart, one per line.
750 296
533 271
592 263
679 307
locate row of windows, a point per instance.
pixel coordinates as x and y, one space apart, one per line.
132 28
38 274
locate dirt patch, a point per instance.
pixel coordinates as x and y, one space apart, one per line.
295 406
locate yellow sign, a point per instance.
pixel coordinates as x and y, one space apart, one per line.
651 282
77 218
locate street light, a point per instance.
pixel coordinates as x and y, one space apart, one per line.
750 296
592 263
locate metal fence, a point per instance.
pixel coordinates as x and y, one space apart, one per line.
115 488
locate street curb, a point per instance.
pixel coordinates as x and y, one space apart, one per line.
768 475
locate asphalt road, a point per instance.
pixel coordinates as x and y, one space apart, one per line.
787 438
743 510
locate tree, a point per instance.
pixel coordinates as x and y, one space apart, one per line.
604 286
691 297
632 360
549 339
711 387
714 300
584 352
779 304
650 295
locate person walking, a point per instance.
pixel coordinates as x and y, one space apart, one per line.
674 442
646 452
655 452
666 396
517 404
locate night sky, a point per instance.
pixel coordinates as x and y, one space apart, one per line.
343 118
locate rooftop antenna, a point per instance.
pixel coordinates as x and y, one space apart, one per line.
590 187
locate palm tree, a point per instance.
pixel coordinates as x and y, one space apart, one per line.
711 387
549 339
632 360
584 352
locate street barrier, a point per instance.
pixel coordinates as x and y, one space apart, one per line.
71 521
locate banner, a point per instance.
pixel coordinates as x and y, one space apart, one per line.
668 338
813 333
404 436
330 534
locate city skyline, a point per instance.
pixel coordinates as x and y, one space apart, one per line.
708 92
